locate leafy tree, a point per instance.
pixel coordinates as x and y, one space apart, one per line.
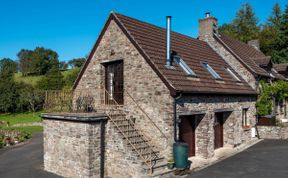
29 98
277 90
53 80
71 77
270 32
281 53
7 88
244 26
37 61
8 65
77 62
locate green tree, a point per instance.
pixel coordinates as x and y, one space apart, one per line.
37 61
53 80
270 31
71 77
8 94
280 55
77 62
244 26
8 65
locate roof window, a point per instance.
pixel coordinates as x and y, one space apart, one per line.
211 70
233 74
184 66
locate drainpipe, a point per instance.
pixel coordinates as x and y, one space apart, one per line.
175 99
102 148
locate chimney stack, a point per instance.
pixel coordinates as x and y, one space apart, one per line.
255 44
207 27
168 42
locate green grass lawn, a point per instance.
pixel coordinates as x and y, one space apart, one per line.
20 118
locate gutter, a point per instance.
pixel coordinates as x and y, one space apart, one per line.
175 124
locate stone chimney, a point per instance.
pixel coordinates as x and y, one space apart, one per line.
207 27
255 44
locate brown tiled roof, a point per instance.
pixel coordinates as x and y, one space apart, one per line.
150 41
262 61
280 67
248 54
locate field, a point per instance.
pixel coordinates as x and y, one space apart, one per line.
27 79
22 118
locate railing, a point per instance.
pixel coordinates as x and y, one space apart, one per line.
101 100
147 116
84 100
148 161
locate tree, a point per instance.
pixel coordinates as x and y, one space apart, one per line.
71 77
53 80
36 61
8 94
280 54
77 62
244 26
270 31
8 65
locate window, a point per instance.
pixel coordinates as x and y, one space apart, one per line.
211 71
245 120
184 66
233 75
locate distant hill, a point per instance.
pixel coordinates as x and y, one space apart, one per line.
33 79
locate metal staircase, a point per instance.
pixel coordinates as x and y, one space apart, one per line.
134 138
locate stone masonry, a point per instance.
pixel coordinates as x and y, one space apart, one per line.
144 88
234 134
72 144
206 34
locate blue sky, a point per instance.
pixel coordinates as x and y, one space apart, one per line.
71 27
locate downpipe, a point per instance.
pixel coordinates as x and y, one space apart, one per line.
175 123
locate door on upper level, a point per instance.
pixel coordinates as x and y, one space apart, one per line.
114 81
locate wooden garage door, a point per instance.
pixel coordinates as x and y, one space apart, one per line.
187 129
218 130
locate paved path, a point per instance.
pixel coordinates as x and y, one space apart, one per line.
267 159
24 161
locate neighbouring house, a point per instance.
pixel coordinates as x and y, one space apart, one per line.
214 105
282 69
246 59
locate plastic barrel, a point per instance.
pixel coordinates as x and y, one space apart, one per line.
180 154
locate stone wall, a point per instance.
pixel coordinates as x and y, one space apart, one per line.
119 160
141 84
72 149
272 132
233 132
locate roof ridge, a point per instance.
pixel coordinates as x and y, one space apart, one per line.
162 28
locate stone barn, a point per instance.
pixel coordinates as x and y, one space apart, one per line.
156 87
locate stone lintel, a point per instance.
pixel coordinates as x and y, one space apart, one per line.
76 117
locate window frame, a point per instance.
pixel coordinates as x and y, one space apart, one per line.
180 62
245 121
232 74
211 71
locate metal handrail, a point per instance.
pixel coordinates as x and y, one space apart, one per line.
139 107
140 132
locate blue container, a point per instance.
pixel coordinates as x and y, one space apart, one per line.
180 154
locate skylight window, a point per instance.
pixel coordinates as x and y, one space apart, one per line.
184 66
233 74
211 71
